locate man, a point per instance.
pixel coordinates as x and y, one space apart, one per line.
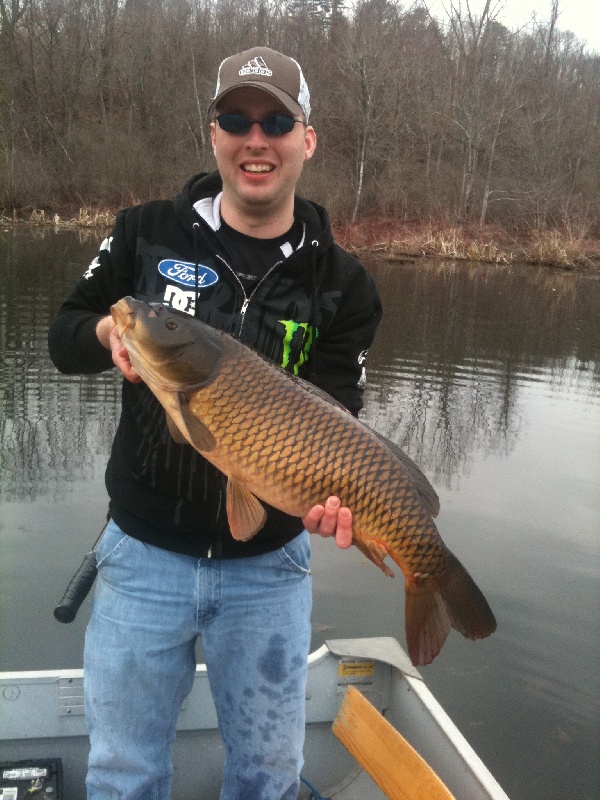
241 251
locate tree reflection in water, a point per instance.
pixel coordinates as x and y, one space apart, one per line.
54 428
457 344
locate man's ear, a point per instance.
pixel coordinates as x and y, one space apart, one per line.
310 142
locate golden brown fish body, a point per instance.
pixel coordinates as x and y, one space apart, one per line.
281 440
293 449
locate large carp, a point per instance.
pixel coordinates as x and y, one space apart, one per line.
281 440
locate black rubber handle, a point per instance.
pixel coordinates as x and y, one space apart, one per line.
77 590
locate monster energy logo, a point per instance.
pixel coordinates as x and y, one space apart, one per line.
291 329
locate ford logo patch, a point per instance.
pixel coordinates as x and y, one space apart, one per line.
184 273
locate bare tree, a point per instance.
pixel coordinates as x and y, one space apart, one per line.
103 101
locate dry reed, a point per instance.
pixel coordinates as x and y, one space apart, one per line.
568 247
563 247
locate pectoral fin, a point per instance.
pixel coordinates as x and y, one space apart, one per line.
174 430
245 512
199 435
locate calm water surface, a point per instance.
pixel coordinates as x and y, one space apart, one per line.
489 377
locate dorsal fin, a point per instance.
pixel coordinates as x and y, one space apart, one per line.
425 490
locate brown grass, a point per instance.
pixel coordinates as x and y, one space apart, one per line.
567 246
563 247
83 218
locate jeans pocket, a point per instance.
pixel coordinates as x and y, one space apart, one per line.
110 544
295 555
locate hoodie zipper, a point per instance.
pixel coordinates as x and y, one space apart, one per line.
253 292
248 298
196 228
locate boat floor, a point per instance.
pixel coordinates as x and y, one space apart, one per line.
360 786
41 716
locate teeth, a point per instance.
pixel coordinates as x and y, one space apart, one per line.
257 168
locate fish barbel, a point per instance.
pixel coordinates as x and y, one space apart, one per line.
281 440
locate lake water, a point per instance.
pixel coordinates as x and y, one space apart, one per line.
489 377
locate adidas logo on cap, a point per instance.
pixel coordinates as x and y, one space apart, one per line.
256 66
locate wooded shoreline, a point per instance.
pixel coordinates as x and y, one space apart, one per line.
394 241
448 134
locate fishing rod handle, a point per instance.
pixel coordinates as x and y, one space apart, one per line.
78 589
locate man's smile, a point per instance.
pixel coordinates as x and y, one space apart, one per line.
258 167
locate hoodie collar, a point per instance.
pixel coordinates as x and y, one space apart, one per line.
201 196
209 209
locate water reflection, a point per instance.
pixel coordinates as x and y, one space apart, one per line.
487 376
51 425
457 344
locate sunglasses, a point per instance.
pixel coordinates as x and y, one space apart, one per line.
278 125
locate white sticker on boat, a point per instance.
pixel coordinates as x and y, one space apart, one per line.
24 773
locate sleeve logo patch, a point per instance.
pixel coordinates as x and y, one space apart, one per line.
184 273
96 262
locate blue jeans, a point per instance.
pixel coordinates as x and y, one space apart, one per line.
253 617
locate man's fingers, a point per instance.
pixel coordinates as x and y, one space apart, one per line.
328 523
332 519
312 519
121 357
343 531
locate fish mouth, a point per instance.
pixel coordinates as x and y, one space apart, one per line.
124 315
127 310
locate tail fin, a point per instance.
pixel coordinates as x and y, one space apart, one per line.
433 608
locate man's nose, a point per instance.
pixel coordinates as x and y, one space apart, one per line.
256 136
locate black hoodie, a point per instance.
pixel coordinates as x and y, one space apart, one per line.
315 314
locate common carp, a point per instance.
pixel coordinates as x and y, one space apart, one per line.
279 439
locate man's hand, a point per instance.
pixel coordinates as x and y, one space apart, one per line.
331 520
108 336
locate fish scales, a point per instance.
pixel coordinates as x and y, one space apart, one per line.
301 449
287 444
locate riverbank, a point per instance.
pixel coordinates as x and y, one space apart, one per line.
565 247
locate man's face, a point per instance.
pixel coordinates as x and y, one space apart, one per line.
259 172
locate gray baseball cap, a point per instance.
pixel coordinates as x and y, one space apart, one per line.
268 70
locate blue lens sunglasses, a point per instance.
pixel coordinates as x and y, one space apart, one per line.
237 124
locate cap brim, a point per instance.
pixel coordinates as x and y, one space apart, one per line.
286 101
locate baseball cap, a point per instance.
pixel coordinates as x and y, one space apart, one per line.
266 69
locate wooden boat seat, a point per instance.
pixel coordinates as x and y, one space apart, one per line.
389 759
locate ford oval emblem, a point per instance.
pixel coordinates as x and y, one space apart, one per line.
184 273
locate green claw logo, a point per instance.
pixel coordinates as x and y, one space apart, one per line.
291 328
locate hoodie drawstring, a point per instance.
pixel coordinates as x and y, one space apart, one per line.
196 228
312 363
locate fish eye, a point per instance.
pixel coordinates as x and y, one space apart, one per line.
171 324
